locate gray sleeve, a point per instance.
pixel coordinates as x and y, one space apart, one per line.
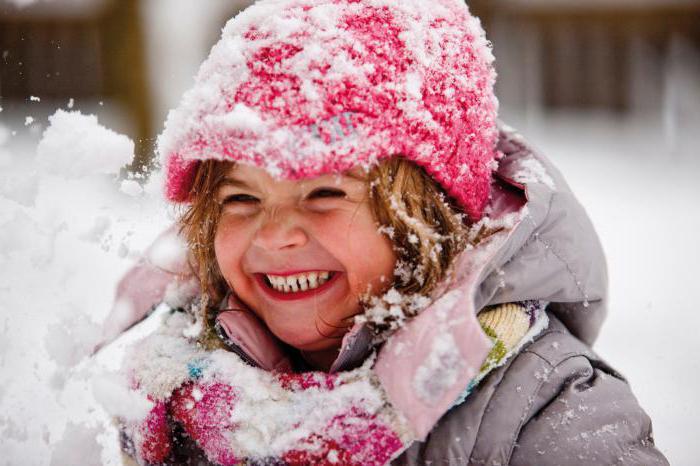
586 414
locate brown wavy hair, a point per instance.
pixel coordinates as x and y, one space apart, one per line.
426 227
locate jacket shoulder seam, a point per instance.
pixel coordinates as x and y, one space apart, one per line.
528 407
549 247
523 416
551 367
553 361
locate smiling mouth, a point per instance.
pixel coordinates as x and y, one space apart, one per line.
296 286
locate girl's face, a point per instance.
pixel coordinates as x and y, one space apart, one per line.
300 254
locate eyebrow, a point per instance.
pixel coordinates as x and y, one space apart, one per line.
238 183
356 176
235 182
361 176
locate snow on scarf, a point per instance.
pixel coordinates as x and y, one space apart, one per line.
237 413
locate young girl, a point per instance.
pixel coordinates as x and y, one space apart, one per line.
386 274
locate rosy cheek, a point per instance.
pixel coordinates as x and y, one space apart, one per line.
356 282
227 248
368 256
375 276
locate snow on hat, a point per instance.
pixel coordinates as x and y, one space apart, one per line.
303 88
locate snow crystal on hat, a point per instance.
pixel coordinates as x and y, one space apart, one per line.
303 88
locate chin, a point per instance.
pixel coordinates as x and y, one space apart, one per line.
306 339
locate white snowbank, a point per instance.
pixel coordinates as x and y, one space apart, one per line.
68 231
69 341
78 446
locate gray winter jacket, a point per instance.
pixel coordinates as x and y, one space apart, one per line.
556 402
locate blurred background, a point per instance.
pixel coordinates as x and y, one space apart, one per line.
625 58
608 89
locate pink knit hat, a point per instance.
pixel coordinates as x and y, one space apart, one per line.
303 88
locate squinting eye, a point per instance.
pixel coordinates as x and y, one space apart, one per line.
240 198
322 193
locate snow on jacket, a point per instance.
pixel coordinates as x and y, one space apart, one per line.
554 402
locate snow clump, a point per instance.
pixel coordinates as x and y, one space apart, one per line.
131 188
111 392
76 145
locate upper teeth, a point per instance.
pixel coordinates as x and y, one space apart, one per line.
300 281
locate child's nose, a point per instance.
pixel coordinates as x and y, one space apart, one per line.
280 233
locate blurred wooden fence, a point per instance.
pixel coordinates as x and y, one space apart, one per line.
94 52
551 54
597 54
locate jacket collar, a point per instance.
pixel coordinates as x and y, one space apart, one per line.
246 335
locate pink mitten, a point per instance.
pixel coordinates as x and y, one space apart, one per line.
354 437
152 437
204 410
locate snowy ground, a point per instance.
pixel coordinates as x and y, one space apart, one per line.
66 237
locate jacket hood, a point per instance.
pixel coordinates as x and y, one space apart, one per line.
554 253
